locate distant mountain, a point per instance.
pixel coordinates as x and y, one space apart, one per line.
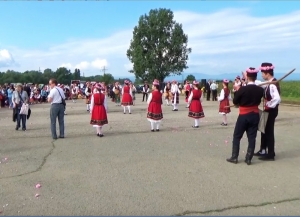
229 76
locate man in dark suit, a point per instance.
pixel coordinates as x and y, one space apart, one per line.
248 98
208 91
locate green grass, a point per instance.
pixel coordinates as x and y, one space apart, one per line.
290 91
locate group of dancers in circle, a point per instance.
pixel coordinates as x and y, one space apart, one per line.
98 103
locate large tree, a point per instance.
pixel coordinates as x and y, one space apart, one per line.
158 47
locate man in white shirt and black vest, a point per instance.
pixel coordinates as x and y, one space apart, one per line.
271 103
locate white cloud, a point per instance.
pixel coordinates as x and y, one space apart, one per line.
99 64
222 42
6 59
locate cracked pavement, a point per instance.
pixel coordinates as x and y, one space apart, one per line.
132 171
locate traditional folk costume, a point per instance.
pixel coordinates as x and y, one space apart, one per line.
133 90
117 91
88 94
248 98
195 107
187 88
98 109
175 92
74 92
271 103
167 93
224 98
154 101
126 97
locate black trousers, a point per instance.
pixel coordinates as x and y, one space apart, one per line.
145 95
246 123
268 138
208 95
214 95
187 94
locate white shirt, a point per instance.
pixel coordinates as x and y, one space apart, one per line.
213 86
222 95
174 89
276 99
93 103
191 97
56 97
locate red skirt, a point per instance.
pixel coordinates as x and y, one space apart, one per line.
126 99
99 116
155 111
196 110
223 108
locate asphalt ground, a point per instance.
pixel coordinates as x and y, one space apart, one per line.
133 171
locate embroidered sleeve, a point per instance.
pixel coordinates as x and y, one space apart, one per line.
149 98
92 103
190 97
222 95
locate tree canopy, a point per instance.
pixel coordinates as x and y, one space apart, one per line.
158 47
62 74
190 78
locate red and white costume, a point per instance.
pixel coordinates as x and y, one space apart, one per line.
88 94
224 98
126 97
98 109
175 92
195 109
154 101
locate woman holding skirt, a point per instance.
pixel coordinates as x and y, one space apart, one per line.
195 106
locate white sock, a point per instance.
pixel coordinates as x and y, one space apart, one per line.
87 107
128 107
224 119
167 101
196 122
176 106
263 151
157 125
124 109
152 125
98 130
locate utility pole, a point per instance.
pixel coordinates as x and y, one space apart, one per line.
104 70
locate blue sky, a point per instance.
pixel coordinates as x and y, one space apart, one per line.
225 36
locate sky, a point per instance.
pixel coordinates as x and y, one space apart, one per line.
225 36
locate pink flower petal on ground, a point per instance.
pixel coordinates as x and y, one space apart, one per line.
37 195
6 158
226 141
38 185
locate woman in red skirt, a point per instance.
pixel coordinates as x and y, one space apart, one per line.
126 97
224 98
98 109
195 107
154 101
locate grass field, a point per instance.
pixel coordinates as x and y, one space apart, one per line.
290 92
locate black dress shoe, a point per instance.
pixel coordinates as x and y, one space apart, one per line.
232 160
101 135
157 130
17 128
152 130
223 124
195 126
266 158
24 129
62 137
259 154
248 162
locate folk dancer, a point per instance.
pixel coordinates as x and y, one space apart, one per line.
187 88
98 109
175 93
167 93
117 91
126 97
133 90
214 90
195 107
146 90
74 92
224 98
248 98
88 94
271 103
154 101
